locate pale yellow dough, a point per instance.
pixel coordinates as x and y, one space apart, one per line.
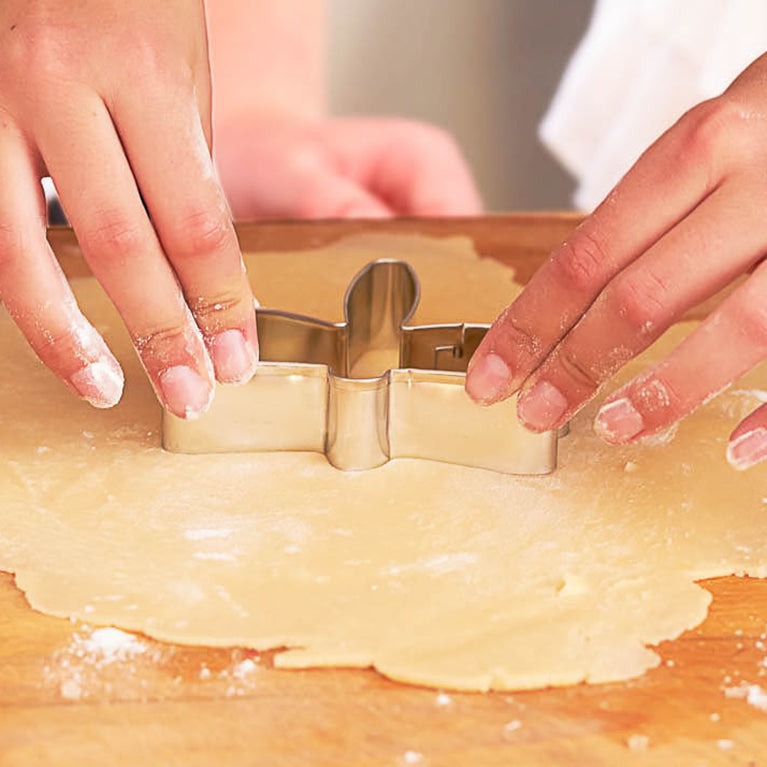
432 573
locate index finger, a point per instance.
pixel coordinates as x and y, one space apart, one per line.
175 173
631 219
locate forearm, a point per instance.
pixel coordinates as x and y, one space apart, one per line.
266 54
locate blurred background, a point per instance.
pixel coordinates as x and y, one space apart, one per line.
484 69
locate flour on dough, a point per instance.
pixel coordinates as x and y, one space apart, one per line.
433 574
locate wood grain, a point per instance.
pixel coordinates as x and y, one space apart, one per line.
173 705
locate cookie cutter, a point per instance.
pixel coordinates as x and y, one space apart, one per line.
365 390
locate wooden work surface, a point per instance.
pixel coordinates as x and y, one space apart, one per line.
189 706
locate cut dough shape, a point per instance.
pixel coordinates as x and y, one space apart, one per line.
431 573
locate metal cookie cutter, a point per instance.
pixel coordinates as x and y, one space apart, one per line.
365 390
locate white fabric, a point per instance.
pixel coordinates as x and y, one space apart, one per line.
640 66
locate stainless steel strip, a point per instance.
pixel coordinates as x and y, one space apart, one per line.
365 390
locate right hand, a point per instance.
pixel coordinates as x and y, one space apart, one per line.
686 221
112 100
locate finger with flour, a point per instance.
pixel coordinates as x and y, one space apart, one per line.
86 160
731 341
190 215
629 222
682 269
34 290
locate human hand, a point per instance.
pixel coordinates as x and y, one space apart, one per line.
278 165
112 99
685 221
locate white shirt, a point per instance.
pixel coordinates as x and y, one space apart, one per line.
640 66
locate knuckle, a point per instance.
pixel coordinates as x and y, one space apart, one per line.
53 340
521 340
160 342
150 54
38 56
641 298
712 130
112 236
55 343
204 231
751 321
575 370
210 311
582 261
44 66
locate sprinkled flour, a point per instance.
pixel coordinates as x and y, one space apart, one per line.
753 694
95 661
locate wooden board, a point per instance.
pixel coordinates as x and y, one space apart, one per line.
173 705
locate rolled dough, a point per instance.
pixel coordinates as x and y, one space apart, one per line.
431 573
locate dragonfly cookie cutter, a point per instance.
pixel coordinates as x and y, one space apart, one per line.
365 390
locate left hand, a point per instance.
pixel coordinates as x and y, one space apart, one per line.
111 99
285 166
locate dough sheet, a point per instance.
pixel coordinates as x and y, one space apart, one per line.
431 573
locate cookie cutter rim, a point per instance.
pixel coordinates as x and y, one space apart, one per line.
340 387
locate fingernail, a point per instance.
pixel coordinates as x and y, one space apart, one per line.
618 421
184 392
233 359
542 406
748 449
100 383
488 379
